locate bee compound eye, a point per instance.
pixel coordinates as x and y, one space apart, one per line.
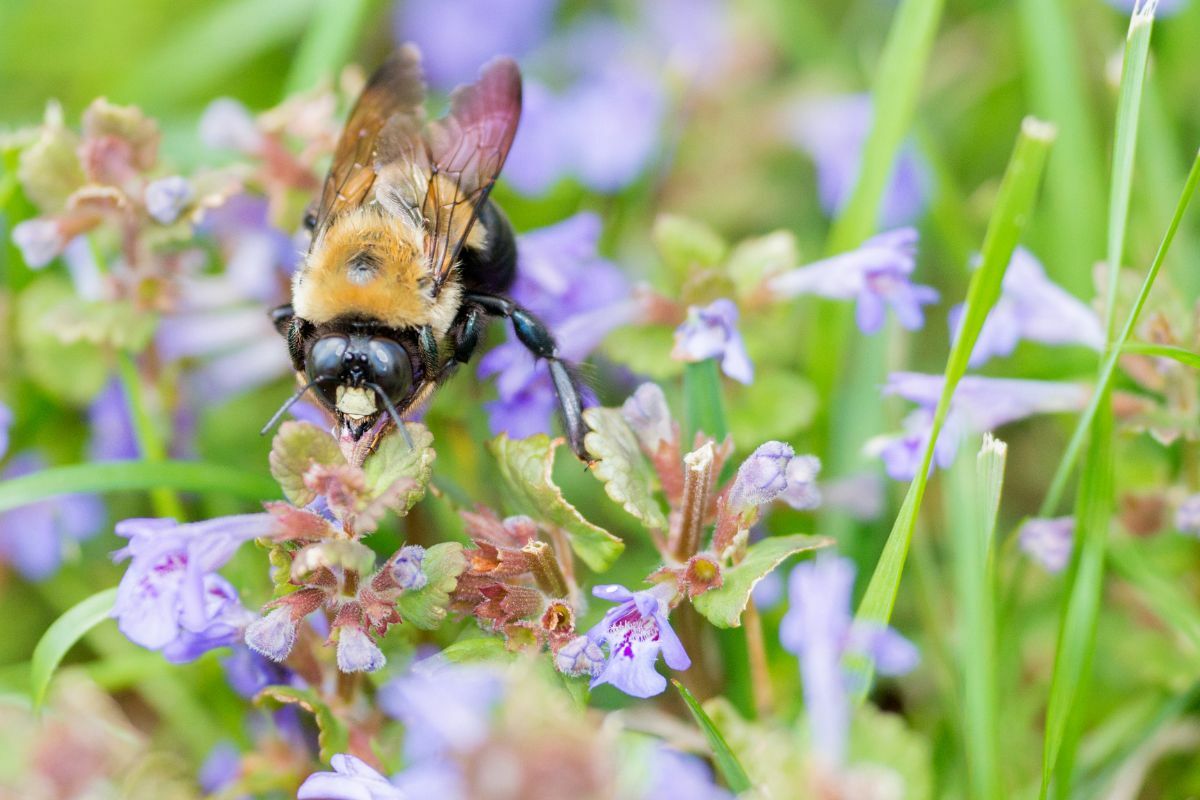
390 368
325 358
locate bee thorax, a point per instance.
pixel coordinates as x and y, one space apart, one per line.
355 401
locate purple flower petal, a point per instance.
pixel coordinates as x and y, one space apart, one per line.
39 240
407 568
356 652
227 125
1187 516
1049 541
166 198
444 707
351 779
678 776
761 478
711 332
33 537
273 635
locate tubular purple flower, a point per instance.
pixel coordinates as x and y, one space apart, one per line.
635 632
228 125
166 198
248 672
1032 307
833 130
221 768
820 629
679 776
447 706
580 656
711 332
273 635
761 478
40 241
171 598
876 275
356 652
112 436
6 421
33 537
407 567
1187 516
351 779
1049 541
802 492
647 413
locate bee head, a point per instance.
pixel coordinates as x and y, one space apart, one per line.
359 375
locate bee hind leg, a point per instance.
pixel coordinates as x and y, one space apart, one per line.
537 338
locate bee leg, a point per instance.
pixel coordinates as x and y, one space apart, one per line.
290 327
427 343
465 333
281 318
539 341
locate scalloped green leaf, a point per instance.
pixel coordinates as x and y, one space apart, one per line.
723 606
425 608
752 260
343 554
117 324
395 461
477 649
622 467
73 372
527 465
296 447
685 245
332 736
61 636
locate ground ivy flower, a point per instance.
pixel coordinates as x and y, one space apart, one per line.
648 415
112 435
351 779
833 130
679 776
876 275
39 240
406 568
1048 541
226 124
1187 516
33 537
802 492
166 198
356 652
635 632
761 478
711 332
171 598
447 706
221 768
274 634
820 629
1032 307
580 656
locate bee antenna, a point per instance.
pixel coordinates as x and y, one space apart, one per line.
291 401
393 413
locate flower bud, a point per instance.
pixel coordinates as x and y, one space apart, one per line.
1187 516
761 478
357 653
407 568
802 493
39 240
167 197
273 635
647 414
228 125
580 656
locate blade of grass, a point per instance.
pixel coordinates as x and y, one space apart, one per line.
727 763
149 439
112 476
1180 354
61 636
1108 368
328 42
1164 596
974 501
1013 208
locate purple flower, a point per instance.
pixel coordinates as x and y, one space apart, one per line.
39 240
171 598
112 437
351 779
1187 516
1049 541
802 493
33 537
711 332
833 130
876 275
444 707
580 656
979 405
273 635
248 672
578 295
356 652
86 274
221 768
647 413
406 568
679 776
635 632
228 125
761 478
6 421
457 37
166 198
1032 307
819 628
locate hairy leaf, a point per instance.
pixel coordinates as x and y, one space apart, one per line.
622 468
395 461
526 465
724 605
425 608
332 736
298 446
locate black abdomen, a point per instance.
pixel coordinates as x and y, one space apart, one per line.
493 268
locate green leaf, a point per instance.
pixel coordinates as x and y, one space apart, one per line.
110 323
425 608
328 42
880 738
332 736
73 372
61 636
297 446
477 649
686 246
752 260
645 349
724 605
727 763
527 466
338 554
111 476
622 468
396 461
777 405
1180 354
49 169
1014 205
703 409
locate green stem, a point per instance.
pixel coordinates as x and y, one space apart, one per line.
703 409
150 444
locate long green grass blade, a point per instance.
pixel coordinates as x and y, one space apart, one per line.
1180 354
1108 368
974 500
727 763
1163 595
328 42
112 476
1013 208
61 636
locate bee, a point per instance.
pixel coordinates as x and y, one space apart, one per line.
409 257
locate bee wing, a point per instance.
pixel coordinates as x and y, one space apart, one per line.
394 93
466 150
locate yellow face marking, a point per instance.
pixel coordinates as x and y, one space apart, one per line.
355 401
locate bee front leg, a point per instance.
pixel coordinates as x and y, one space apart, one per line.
532 333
